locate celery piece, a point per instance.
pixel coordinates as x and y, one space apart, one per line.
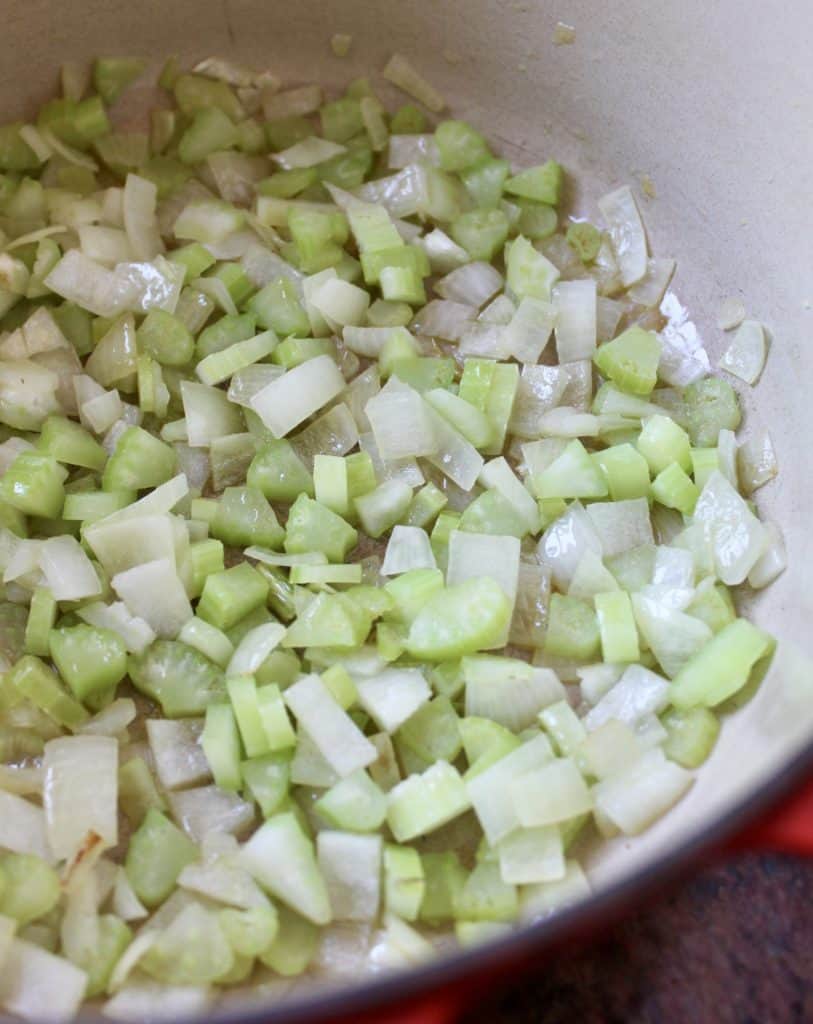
277 307
500 403
137 791
41 618
231 594
190 950
295 946
178 677
204 557
112 75
492 513
433 732
425 506
243 694
267 779
317 240
484 181
138 462
354 804
341 119
423 803
482 233
31 888
221 744
459 145
404 882
251 137
444 878
424 373
69 443
281 858
402 284
573 630
382 508
225 332
537 221
287 184
295 351
585 240
33 679
195 92
74 322
673 488
410 592
542 183
340 683
210 131
408 120
528 272
278 733
33 483
211 642
662 442
235 279
704 462
691 735
573 474
249 932
195 259
165 338
711 406
373 600
389 314
459 620
714 607
90 660
285 132
631 360
405 257
279 473
625 470
486 897
330 620
617 629
244 517
313 527
114 937
722 667
564 727
15 153
157 854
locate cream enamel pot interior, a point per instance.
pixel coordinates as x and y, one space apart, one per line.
714 103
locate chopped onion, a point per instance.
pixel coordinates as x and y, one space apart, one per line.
140 222
540 389
731 314
455 457
649 291
176 750
22 827
37 985
772 562
745 356
91 286
68 571
80 792
637 693
575 306
112 721
254 648
736 535
472 285
351 867
627 234
638 795
209 810
286 402
337 737
308 153
392 696
444 254
150 1000
402 423
154 592
443 319
403 194
756 461
406 470
408 548
412 149
564 543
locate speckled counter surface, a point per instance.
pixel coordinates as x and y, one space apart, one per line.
732 946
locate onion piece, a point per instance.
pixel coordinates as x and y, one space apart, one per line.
472 285
627 234
286 402
745 356
412 149
736 535
637 693
140 221
772 562
756 461
402 423
154 592
408 548
37 985
649 291
474 555
23 827
575 306
441 318
308 153
80 792
68 571
208 810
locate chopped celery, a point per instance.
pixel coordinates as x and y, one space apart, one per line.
691 735
313 527
139 461
721 667
157 854
295 945
34 484
221 744
32 678
230 595
617 629
30 890
112 75
267 779
178 677
573 630
711 406
279 473
662 442
631 360
90 660
674 488
542 183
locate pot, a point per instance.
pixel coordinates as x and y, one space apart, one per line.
712 104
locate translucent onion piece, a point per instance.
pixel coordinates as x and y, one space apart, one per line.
80 792
641 793
308 153
285 403
338 739
154 592
564 543
37 985
91 286
637 693
403 194
627 234
575 305
471 285
621 525
68 570
756 461
351 867
408 548
529 330
140 222
443 319
540 389
649 291
403 424
772 562
730 314
737 537
208 810
473 555
745 356
22 827
412 149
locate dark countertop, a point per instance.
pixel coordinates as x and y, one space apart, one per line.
734 945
